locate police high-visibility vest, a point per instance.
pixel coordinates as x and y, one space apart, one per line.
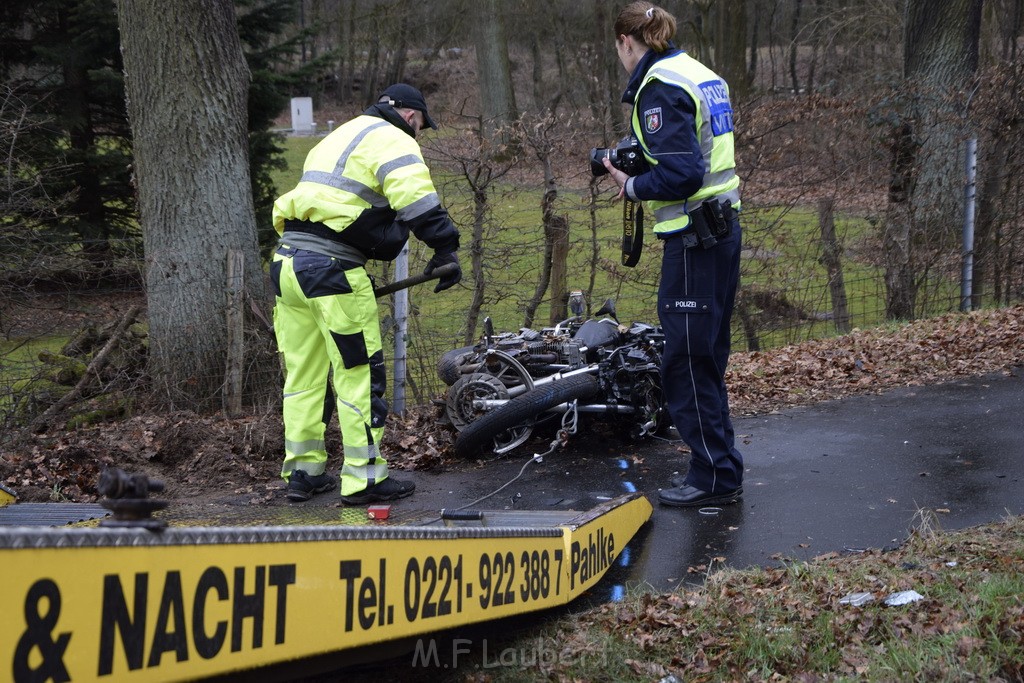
368 168
710 95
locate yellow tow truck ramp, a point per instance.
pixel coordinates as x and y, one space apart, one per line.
187 602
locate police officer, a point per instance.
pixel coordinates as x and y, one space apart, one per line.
363 189
682 117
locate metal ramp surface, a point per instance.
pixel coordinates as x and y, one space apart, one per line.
50 514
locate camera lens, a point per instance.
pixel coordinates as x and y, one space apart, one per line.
597 156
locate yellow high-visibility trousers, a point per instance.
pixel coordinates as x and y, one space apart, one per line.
325 320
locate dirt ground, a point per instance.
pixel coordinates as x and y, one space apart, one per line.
210 458
199 459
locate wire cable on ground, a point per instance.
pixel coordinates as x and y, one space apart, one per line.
534 458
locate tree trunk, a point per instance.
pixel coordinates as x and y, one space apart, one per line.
703 27
556 232
537 79
606 88
371 85
831 258
812 64
1001 30
348 68
543 280
731 46
899 281
187 90
794 34
747 321
925 196
559 269
88 205
235 317
1014 29
993 187
754 35
593 198
556 249
398 55
494 71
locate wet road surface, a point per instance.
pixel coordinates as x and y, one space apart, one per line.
838 476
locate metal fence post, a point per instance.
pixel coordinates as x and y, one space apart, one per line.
401 331
236 333
967 275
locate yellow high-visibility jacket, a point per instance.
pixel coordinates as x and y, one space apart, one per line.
365 187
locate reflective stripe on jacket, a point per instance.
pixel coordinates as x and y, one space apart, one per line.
710 95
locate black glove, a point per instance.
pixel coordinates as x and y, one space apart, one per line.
450 280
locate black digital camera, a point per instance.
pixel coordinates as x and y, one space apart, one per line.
627 156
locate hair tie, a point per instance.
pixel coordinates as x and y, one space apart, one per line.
650 12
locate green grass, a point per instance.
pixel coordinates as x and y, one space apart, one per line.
19 360
295 150
788 623
783 248
15 352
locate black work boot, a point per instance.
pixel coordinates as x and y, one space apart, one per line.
388 489
690 496
302 486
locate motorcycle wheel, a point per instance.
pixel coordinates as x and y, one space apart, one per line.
459 403
521 412
449 363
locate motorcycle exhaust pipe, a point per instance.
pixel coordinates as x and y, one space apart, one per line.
491 404
616 409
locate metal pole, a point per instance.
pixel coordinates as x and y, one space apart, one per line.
401 332
967 275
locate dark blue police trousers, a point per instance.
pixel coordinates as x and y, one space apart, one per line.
695 302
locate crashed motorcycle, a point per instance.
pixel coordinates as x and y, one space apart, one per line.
510 384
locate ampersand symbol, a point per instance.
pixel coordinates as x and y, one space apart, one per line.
38 635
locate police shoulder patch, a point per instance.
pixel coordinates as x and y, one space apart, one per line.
652 120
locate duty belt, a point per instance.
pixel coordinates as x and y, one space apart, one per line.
709 222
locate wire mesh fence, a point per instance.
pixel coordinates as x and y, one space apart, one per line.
53 327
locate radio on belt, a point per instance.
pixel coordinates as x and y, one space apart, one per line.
378 511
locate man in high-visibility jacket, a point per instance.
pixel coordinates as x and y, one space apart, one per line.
363 189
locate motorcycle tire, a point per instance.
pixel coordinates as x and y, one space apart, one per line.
522 409
448 364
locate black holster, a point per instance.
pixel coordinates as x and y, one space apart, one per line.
710 223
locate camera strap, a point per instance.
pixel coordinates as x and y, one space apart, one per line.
632 232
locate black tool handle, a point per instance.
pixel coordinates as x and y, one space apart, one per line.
435 274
